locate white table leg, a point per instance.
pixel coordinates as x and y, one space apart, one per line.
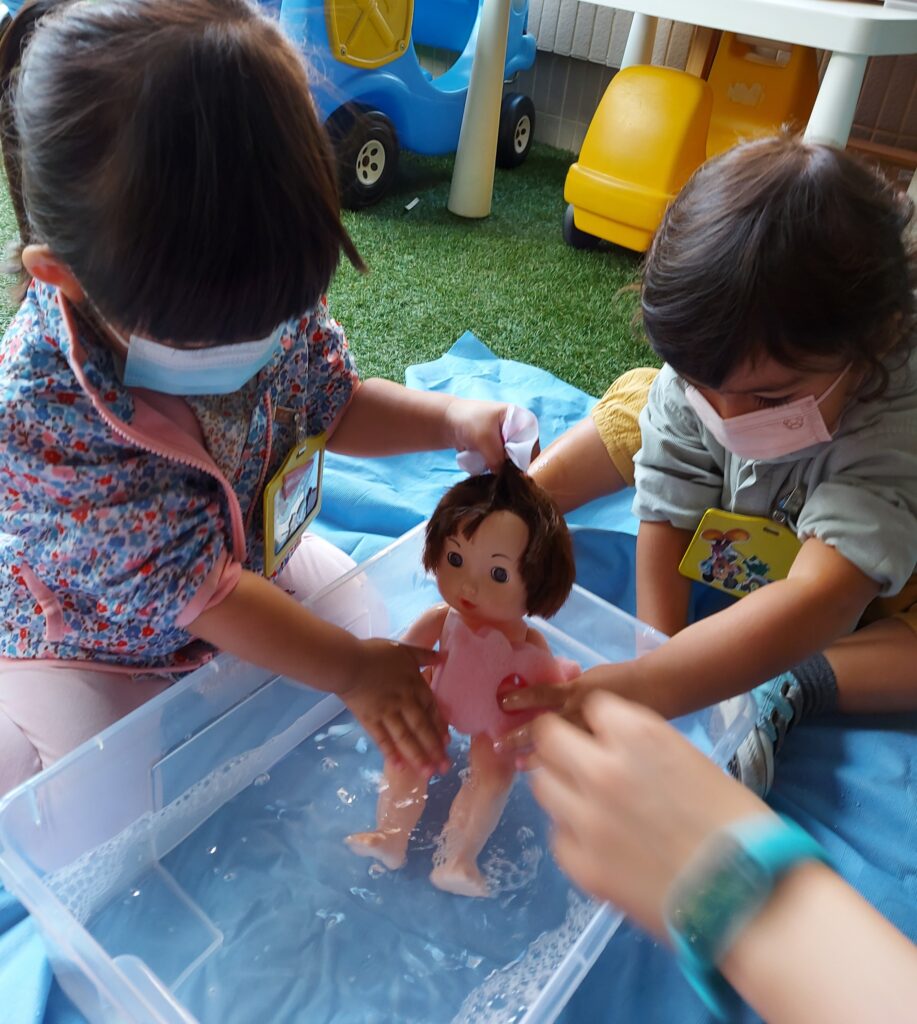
473 174
837 98
640 40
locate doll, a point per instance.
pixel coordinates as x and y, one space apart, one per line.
499 550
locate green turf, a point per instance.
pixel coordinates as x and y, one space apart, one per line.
509 278
8 233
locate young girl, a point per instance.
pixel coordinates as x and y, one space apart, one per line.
500 550
777 292
176 199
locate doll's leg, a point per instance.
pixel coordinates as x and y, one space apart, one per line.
401 803
473 817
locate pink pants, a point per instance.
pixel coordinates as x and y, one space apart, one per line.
47 711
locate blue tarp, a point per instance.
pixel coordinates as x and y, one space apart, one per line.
852 783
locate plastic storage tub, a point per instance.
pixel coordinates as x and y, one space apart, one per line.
188 864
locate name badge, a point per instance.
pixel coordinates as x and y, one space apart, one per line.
738 554
292 499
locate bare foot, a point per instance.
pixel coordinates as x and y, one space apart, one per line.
460 878
388 848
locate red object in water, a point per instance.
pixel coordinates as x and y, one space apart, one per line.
508 684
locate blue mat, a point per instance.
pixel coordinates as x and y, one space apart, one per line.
853 784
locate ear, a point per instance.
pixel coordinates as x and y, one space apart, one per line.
40 262
737 536
712 535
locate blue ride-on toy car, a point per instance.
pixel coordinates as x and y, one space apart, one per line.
376 98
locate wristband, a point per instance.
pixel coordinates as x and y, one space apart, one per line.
719 892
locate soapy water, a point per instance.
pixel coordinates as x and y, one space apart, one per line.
263 914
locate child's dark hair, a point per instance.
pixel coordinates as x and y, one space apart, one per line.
784 249
168 152
547 565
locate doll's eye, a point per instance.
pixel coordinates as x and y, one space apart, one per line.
499 574
454 559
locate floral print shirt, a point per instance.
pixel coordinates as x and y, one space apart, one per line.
108 533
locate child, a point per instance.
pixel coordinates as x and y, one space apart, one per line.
500 550
777 292
176 198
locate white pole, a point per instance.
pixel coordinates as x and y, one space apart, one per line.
836 102
640 40
473 176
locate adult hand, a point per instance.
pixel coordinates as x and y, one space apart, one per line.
566 699
631 802
395 705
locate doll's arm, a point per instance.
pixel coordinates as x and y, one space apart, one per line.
536 639
425 630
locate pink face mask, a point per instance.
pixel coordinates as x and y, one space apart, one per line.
767 433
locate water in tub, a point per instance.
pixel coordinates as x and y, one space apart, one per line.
287 925
241 897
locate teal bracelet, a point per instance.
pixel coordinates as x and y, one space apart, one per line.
725 885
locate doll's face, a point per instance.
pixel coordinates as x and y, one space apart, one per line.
479 575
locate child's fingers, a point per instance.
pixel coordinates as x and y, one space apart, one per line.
608 716
529 697
552 792
421 655
381 738
564 750
408 745
430 740
517 741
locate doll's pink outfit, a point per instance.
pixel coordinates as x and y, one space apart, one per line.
477 662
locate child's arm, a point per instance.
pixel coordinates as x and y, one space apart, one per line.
576 468
728 653
385 418
764 633
631 805
379 680
663 594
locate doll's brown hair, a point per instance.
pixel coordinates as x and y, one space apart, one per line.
547 565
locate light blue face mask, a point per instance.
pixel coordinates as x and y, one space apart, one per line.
218 370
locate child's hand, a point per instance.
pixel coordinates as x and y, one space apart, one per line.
566 699
631 803
396 706
476 426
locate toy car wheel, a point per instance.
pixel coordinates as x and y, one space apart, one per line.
517 126
366 147
575 237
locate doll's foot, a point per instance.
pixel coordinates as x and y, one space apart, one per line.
460 878
388 848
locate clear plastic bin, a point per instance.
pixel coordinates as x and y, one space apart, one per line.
188 864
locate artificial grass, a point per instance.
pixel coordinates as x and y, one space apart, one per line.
9 231
508 278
